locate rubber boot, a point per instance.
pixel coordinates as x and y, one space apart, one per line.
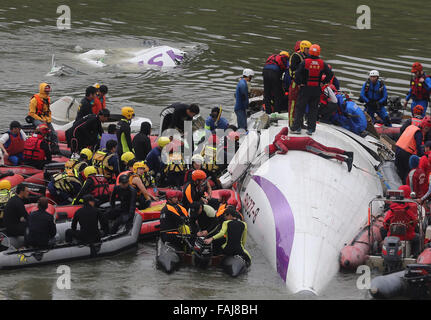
349 162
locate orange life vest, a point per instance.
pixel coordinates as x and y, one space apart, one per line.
314 68
407 140
40 104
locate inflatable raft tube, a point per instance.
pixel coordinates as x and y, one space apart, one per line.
167 259
235 265
110 245
14 180
388 286
37 178
22 170
150 229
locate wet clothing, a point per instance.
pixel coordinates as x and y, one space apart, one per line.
13 212
309 74
85 133
142 145
417 181
154 160
241 103
85 108
123 137
88 219
41 229
236 237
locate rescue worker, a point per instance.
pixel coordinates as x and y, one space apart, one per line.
126 157
212 164
141 142
36 149
328 102
64 186
88 218
136 180
78 165
197 163
174 116
15 215
416 179
202 219
41 227
174 169
420 88
99 99
40 112
282 143
416 119
106 161
349 115
128 171
216 121
86 106
410 142
276 65
5 196
123 131
111 135
308 76
405 214
123 212
12 143
154 158
295 60
235 231
174 220
194 191
375 97
241 98
86 132
102 96
94 184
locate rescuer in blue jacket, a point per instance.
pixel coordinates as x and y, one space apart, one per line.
375 97
351 116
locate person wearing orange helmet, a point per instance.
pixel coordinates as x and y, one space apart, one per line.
194 191
36 148
416 119
276 65
309 77
420 88
410 143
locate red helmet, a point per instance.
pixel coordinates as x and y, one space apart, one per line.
174 194
198 175
43 129
232 202
213 139
426 122
417 67
314 50
418 109
224 195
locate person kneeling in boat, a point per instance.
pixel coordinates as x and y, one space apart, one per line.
64 186
235 231
95 184
174 169
15 215
212 164
88 218
106 161
78 165
416 178
41 229
138 181
282 143
350 117
126 159
403 215
123 212
154 158
12 143
194 191
416 119
36 148
197 164
174 220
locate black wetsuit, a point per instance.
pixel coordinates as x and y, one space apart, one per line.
85 108
41 229
84 133
124 213
13 212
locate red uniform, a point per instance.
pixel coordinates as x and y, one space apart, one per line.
97 106
403 213
417 181
282 143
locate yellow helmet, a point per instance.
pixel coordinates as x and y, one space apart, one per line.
96 85
304 44
140 164
163 141
128 112
89 170
86 152
5 184
284 53
127 156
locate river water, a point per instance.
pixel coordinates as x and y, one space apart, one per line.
220 38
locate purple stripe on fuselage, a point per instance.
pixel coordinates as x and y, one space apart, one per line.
283 221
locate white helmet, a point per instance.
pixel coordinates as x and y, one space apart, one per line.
248 73
198 158
374 73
